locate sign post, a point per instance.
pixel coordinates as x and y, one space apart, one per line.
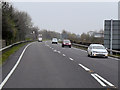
111 36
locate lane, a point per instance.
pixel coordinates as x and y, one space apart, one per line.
41 67
107 68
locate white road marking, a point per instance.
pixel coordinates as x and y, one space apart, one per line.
58 51
55 50
87 69
64 55
96 78
110 84
71 59
13 69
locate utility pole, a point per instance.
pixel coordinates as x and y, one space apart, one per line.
111 36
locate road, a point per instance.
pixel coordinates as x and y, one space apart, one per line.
46 65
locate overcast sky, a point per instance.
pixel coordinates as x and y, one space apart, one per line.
76 17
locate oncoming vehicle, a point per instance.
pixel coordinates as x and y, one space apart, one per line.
66 43
97 50
40 39
54 41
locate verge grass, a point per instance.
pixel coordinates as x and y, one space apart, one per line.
5 55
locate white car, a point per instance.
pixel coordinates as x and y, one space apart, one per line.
39 39
97 50
54 41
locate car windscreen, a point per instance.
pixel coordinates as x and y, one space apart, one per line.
54 39
66 41
98 47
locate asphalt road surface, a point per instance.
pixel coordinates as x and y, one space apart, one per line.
46 65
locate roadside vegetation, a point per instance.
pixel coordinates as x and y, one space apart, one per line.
5 55
84 38
16 25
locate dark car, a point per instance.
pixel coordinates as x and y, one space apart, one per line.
66 43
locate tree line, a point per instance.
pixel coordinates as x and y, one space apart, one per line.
16 25
84 38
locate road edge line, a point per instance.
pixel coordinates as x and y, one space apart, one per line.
13 69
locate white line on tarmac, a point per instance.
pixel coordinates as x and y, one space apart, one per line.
87 69
52 48
13 69
64 55
96 78
110 84
71 59
59 52
55 50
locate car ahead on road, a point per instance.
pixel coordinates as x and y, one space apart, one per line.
97 50
66 43
54 41
39 39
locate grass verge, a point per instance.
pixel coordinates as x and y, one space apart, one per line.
4 56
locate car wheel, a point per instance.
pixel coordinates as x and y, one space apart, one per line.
88 55
106 57
91 55
69 46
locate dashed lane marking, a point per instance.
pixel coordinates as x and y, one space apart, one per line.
58 51
71 59
64 55
85 68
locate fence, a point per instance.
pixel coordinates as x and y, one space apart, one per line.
13 45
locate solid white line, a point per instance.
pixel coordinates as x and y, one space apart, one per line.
13 69
98 80
71 59
110 84
64 55
87 69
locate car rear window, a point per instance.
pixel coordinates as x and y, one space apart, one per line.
66 41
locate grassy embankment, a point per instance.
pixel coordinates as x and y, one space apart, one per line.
4 56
